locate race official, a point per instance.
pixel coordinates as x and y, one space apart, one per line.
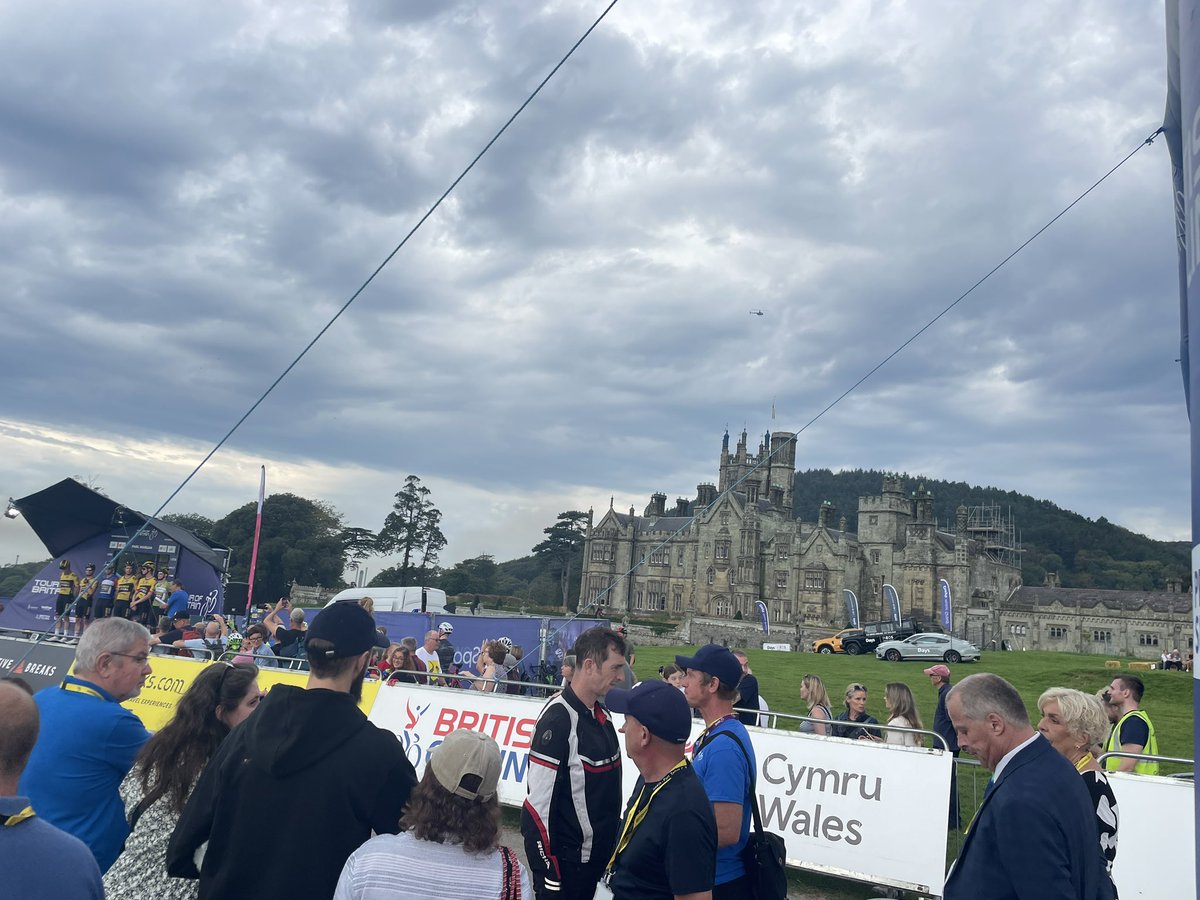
569 821
724 760
667 846
1133 731
88 740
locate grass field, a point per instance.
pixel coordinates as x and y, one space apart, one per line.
1168 701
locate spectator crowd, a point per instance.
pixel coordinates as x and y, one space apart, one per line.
295 793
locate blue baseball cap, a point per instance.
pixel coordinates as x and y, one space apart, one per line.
657 705
713 659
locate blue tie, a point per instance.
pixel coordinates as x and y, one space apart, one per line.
990 787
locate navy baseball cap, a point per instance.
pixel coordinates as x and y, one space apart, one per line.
713 659
347 626
657 705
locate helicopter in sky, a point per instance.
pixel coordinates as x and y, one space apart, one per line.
756 312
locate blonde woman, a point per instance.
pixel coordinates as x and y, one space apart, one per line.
854 721
812 692
902 713
1076 726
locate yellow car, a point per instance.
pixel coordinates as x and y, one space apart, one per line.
833 643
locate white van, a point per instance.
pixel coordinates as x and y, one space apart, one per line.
396 599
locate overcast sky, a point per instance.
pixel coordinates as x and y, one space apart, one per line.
189 191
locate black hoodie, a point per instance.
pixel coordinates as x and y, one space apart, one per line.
290 794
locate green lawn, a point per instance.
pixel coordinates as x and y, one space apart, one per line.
1168 701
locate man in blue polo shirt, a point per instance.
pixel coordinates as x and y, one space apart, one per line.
178 601
88 740
723 758
37 860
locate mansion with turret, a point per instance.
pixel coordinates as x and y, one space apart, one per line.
739 541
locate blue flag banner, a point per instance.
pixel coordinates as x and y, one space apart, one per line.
851 608
947 610
762 616
892 599
1183 140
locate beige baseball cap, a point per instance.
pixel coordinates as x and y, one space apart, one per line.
467 764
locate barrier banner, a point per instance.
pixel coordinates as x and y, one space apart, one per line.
1156 836
947 608
892 599
45 664
173 675
169 680
851 607
874 812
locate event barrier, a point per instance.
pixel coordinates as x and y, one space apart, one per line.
850 808
37 662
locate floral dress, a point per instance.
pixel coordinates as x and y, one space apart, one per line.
140 872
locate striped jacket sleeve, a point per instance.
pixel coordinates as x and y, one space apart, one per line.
548 753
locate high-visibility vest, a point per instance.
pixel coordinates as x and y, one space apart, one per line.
1143 767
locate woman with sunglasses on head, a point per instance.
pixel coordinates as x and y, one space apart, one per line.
812 692
161 780
853 722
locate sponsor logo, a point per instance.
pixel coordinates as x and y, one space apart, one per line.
35 668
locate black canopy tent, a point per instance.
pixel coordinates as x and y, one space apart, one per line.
66 514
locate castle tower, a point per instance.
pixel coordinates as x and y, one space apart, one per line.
781 470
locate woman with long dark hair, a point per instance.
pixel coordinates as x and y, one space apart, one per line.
157 787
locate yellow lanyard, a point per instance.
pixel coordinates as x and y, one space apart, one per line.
81 689
1083 761
638 812
26 813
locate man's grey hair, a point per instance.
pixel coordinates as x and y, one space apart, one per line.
106 636
410 643
436 635
983 694
297 616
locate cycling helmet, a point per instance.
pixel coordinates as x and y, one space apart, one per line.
505 642
446 628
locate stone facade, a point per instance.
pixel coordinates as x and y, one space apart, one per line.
1138 624
739 542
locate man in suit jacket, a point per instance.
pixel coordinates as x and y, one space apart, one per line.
1034 835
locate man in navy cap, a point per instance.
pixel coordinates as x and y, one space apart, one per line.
327 776
667 844
724 759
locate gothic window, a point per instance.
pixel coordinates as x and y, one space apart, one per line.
782 551
712 575
1147 640
814 581
722 549
733 574
638 600
1058 632
677 602
725 517
918 592
875 557
659 557
781 579
1101 636
752 493
679 556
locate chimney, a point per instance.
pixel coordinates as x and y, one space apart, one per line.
826 514
681 506
1052 580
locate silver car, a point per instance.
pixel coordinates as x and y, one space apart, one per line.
928 645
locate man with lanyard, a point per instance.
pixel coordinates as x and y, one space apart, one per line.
68 584
39 861
725 768
89 741
83 603
1133 731
939 677
570 818
143 595
668 841
105 594
126 585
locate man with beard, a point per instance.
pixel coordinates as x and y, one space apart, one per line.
329 776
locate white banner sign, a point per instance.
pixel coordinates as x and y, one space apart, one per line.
875 812
1156 833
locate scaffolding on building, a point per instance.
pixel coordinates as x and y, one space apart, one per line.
996 533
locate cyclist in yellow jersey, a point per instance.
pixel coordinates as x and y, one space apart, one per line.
125 587
83 602
68 584
142 607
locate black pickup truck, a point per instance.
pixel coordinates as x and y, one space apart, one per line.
875 633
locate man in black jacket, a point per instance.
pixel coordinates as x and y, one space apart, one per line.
939 677
306 770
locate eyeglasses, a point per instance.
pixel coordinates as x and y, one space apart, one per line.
140 660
